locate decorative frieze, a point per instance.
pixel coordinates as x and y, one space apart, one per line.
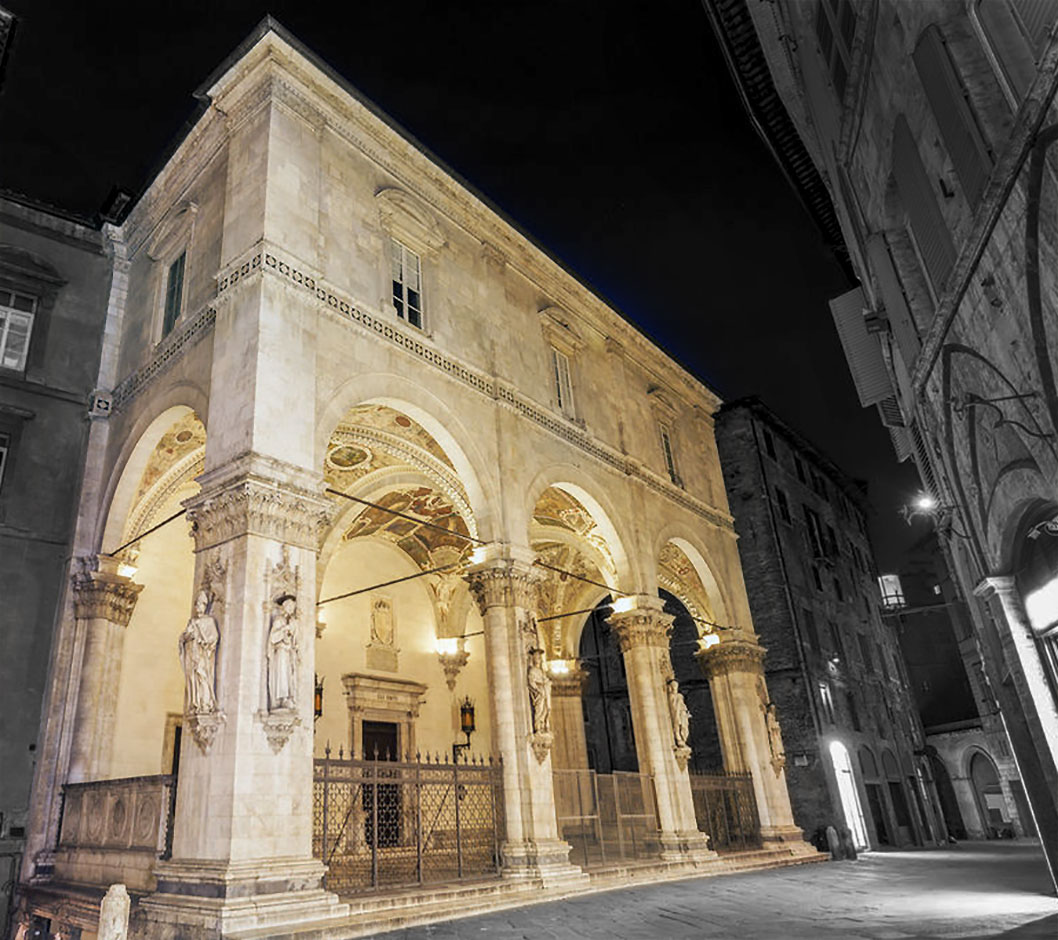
257 507
731 656
641 627
505 584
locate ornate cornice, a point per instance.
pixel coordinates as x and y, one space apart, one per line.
254 506
641 627
505 583
730 656
100 596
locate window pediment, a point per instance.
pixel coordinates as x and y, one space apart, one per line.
174 232
409 220
662 404
559 332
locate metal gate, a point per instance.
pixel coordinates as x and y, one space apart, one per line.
725 807
387 824
606 817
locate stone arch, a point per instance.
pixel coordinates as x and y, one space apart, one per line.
699 556
583 489
429 411
117 504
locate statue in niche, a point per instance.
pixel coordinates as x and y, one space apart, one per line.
283 654
778 753
382 626
681 717
198 656
539 692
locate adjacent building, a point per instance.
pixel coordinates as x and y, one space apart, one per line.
853 739
55 274
369 459
932 127
976 775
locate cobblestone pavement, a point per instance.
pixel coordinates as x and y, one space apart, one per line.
981 890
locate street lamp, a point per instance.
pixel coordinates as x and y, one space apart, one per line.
466 725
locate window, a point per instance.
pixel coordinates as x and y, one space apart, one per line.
407 284
769 444
800 468
16 326
838 591
854 714
811 633
867 651
892 591
174 294
950 103
835 27
563 385
815 533
666 448
832 540
826 697
5 447
784 506
1017 32
816 578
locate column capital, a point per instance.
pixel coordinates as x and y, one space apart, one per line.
640 620
1000 585
257 495
571 683
103 594
505 577
728 656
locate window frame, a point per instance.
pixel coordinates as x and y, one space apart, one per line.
5 451
398 253
668 453
830 13
173 311
562 381
784 505
8 312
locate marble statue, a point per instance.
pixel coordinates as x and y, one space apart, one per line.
198 655
539 692
778 753
681 717
283 655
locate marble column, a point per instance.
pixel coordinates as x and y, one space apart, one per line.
103 604
749 731
643 634
504 586
567 715
242 837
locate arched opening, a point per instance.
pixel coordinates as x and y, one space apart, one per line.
988 794
905 831
850 798
403 730
608 730
949 802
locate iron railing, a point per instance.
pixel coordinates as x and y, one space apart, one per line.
725 808
606 817
387 824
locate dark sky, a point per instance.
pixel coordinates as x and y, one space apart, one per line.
611 132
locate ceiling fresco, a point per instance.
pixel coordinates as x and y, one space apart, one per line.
186 436
384 418
556 509
678 576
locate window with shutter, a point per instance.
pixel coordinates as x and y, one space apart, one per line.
174 294
1036 17
925 464
563 384
896 307
862 350
1005 33
670 458
948 98
930 234
16 327
407 283
835 29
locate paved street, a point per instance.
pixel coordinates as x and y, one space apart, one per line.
973 890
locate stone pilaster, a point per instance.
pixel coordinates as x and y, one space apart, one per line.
643 634
749 730
504 586
242 838
103 604
567 715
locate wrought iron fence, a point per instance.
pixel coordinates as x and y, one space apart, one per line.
387 824
725 807
606 817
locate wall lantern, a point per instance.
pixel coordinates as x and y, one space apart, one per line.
708 640
466 725
926 504
317 697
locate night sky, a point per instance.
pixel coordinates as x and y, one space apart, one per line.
610 132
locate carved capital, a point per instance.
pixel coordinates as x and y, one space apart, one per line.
278 726
505 583
258 507
204 726
731 656
641 627
541 743
100 595
453 664
569 684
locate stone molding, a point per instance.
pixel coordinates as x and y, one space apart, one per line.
504 584
101 596
278 726
641 627
252 504
204 726
732 656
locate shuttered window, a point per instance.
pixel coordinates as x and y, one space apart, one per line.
969 152
1037 17
900 320
862 350
931 235
835 29
174 294
563 384
1007 37
924 462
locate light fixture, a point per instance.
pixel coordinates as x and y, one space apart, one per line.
317 697
126 570
624 604
926 504
708 641
466 725
558 667
453 654
478 555
321 620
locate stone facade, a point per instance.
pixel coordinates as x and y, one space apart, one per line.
933 125
60 268
369 442
833 666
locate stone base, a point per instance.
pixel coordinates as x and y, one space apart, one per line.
792 838
690 846
207 900
546 862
